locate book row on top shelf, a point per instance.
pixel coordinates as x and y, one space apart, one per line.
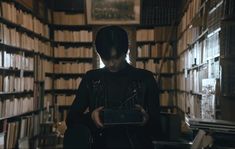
14 39
63 18
167 66
73 36
24 19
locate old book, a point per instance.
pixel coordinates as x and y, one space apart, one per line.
2 140
208 98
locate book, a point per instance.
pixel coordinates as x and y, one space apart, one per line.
63 18
208 98
2 140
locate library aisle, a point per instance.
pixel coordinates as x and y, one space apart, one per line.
47 47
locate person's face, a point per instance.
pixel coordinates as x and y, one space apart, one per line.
114 64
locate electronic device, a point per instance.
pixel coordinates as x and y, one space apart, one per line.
121 117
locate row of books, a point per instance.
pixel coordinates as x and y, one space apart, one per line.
21 40
167 83
26 127
26 20
187 39
145 35
214 3
63 18
214 17
167 99
63 100
17 61
156 34
191 82
15 106
167 67
190 104
17 84
71 52
73 36
43 66
72 67
213 45
155 50
47 66
190 13
189 59
67 84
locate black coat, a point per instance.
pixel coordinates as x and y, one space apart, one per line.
114 90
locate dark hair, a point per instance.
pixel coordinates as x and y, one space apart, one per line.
111 37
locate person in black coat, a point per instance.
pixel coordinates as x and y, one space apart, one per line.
117 86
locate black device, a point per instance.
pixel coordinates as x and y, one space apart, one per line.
121 117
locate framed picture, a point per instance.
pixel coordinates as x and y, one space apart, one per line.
108 12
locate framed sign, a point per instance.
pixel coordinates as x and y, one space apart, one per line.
106 12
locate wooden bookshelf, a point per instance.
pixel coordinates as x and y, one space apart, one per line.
23 44
198 58
155 49
72 44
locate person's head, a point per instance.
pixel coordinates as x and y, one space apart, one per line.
112 45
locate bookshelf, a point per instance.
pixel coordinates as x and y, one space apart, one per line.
156 53
73 57
25 56
199 59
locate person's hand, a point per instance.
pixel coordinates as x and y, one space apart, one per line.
95 116
145 114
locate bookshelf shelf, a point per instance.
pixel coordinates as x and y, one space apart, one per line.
190 92
197 66
71 27
27 10
167 90
154 58
72 44
215 7
189 45
16 71
23 30
139 43
20 115
50 58
72 59
227 59
200 37
65 75
16 93
62 91
14 49
165 74
64 107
